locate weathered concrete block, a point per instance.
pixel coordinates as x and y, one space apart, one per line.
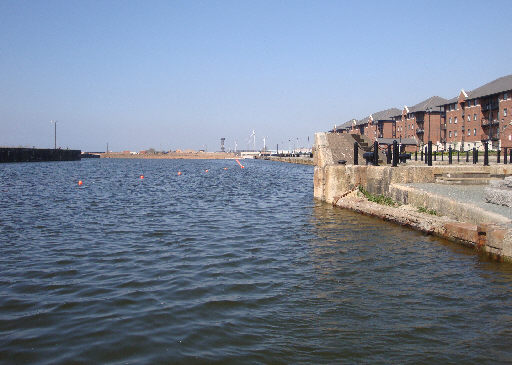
466 232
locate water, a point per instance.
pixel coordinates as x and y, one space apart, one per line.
229 266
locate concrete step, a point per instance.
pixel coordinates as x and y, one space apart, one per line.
463 180
468 174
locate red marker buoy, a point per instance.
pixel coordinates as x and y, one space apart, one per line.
179 173
238 162
80 182
225 168
205 170
141 177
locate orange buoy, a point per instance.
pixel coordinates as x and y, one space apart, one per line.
141 177
179 173
225 168
205 170
80 182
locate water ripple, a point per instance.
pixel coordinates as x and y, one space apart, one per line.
229 266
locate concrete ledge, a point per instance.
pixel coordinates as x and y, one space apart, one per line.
461 212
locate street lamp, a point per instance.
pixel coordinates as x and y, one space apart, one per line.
54 133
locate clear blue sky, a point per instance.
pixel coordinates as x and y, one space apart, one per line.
182 74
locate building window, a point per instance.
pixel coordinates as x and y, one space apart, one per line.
505 96
455 134
505 112
469 132
474 116
455 120
450 120
469 118
450 134
467 103
474 132
474 102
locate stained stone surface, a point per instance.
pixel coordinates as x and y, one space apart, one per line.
499 192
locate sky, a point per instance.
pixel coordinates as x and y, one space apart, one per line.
182 74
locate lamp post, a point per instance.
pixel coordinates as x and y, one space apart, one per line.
54 133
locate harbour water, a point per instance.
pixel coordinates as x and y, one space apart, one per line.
228 266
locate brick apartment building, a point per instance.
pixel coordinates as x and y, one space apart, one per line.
463 122
421 121
480 115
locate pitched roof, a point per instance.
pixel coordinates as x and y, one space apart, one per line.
494 87
432 102
345 125
382 115
450 101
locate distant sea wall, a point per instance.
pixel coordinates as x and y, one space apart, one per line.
37 154
297 160
182 156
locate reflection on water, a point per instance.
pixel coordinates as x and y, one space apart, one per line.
228 266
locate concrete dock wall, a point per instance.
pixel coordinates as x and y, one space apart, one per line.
37 154
457 221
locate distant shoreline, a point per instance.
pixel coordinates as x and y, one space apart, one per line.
173 156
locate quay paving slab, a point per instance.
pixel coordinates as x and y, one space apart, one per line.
472 194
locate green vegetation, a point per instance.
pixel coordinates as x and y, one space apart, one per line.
379 199
428 211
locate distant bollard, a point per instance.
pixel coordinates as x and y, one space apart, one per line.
430 153
435 154
498 156
474 155
389 155
442 155
486 154
395 153
421 154
449 155
356 153
467 156
376 153
458 156
505 155
415 155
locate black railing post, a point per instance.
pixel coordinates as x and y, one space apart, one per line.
474 155
510 156
388 160
467 156
416 155
442 155
498 156
426 155
395 153
376 153
421 154
430 153
458 156
437 150
486 153
505 155
449 155
356 153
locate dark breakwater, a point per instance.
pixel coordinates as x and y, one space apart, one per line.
228 266
37 154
